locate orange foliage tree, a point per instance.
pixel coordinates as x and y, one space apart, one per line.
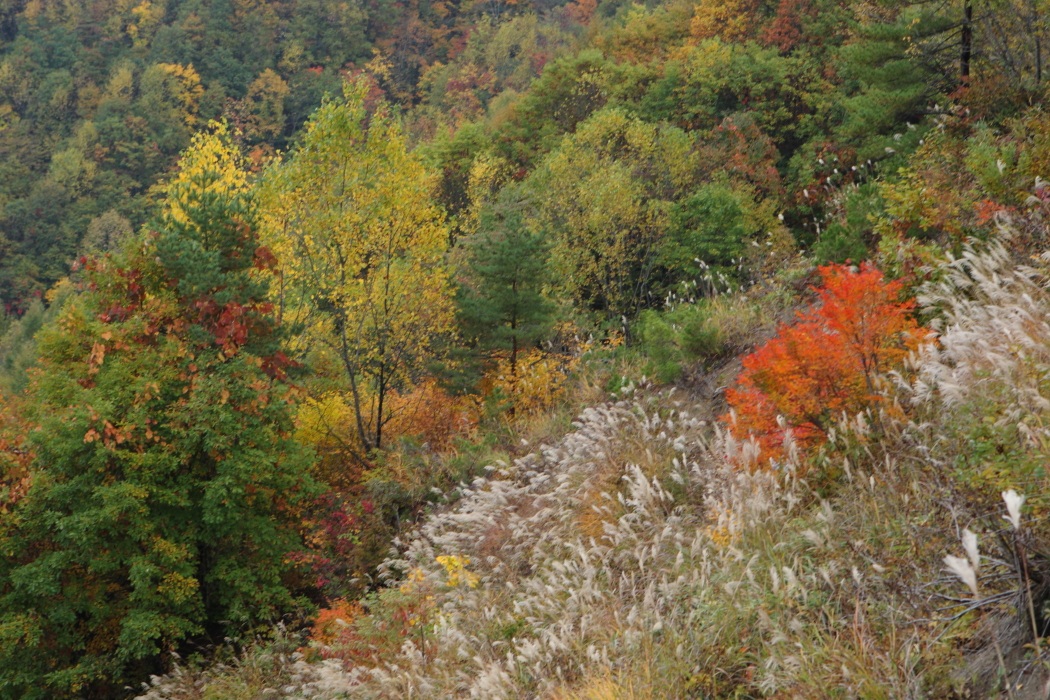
827 362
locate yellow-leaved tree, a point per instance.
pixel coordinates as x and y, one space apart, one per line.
361 251
603 197
210 168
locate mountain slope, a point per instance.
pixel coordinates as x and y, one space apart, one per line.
648 555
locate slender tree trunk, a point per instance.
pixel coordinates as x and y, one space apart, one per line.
513 351
514 332
351 374
379 408
513 361
1037 35
967 44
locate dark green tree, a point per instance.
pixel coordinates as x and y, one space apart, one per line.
503 308
166 485
893 71
569 91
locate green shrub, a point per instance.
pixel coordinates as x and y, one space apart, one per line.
671 340
700 338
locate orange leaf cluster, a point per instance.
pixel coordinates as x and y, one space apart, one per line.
431 414
332 621
827 362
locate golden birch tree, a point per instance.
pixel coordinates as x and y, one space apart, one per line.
361 250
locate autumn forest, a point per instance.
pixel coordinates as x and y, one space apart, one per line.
580 350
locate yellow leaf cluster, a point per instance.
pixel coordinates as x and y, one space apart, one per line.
177 587
457 572
213 157
729 20
540 380
186 88
412 581
148 17
325 421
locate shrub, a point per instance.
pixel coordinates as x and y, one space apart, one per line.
699 338
535 385
429 413
673 339
827 362
657 340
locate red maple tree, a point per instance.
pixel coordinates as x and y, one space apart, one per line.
827 362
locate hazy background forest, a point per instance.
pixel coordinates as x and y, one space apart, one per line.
509 349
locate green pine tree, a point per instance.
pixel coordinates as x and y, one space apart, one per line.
503 307
894 70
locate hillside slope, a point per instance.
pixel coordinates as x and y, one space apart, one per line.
405 243
640 556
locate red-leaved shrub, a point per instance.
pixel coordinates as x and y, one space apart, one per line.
827 362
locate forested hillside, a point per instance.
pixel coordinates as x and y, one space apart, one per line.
523 350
